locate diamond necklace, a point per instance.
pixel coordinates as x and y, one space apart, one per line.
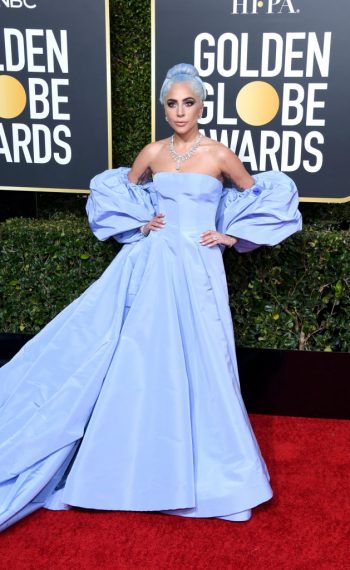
181 157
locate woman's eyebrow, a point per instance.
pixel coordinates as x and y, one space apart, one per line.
185 99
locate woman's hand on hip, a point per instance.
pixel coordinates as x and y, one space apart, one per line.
155 223
212 237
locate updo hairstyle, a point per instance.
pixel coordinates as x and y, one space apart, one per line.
183 73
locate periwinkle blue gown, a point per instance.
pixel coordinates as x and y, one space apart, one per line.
129 399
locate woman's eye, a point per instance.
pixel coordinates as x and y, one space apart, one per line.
171 104
189 103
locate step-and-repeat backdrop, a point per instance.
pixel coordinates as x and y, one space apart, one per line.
277 77
55 114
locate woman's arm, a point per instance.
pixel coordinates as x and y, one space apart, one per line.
232 168
141 167
138 174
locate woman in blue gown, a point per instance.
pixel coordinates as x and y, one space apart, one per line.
129 399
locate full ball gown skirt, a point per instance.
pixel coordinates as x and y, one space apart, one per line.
129 399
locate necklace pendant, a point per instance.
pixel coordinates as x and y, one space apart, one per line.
178 158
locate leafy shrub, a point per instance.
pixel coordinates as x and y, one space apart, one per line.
131 78
295 295
45 264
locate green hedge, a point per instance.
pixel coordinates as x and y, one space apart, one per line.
131 77
295 295
45 265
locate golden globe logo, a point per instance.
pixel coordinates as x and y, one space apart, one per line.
17 4
264 7
300 62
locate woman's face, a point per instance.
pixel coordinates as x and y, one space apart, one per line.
182 108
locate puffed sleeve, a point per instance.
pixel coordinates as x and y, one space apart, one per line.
264 214
117 208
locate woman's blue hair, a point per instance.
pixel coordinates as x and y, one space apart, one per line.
183 73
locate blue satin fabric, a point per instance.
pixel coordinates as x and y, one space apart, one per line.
129 399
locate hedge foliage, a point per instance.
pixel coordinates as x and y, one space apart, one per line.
131 77
295 295
45 265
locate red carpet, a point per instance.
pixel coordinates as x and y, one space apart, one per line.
305 525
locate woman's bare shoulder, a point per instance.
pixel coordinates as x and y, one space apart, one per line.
141 168
229 164
153 148
219 149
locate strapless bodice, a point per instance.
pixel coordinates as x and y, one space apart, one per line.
188 200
